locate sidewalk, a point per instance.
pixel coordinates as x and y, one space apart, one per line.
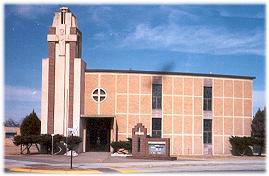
103 162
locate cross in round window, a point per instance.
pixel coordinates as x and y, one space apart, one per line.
99 95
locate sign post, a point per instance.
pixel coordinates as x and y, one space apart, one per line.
71 153
70 132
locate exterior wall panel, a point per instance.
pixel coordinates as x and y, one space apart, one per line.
182 108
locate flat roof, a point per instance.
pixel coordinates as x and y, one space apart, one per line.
170 73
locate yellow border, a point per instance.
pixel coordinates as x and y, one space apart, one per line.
54 171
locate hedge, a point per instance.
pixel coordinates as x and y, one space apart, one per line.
241 145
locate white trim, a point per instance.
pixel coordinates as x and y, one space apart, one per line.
202 124
192 138
150 122
162 75
186 134
243 111
162 107
139 97
116 97
223 139
44 96
233 107
236 98
99 85
177 95
172 142
233 116
183 117
127 115
212 118
98 94
117 93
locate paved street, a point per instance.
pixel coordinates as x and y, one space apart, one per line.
104 163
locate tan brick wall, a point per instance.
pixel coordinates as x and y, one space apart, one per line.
146 121
218 144
177 124
188 105
238 87
187 145
91 83
228 88
218 88
188 86
188 124
167 105
121 83
198 122
232 110
177 108
167 124
133 104
198 87
218 106
177 147
182 105
146 84
121 121
108 84
198 106
133 84
198 145
167 85
121 104
178 86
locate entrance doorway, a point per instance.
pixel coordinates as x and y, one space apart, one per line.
98 134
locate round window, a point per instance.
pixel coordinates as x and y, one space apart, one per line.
99 95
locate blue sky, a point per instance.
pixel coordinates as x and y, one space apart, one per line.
222 39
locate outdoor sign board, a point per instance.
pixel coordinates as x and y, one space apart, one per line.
157 147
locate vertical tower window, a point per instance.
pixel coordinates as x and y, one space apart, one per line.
62 18
157 127
207 98
156 96
207 131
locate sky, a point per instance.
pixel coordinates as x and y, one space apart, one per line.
218 39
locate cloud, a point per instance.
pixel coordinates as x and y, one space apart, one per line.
22 94
195 39
31 11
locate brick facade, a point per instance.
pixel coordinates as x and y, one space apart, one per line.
129 102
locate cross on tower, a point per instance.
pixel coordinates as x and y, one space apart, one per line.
139 132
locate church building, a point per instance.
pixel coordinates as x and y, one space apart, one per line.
198 112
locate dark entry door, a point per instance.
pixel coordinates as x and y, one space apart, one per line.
98 135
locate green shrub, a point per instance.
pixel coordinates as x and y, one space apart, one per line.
127 145
73 142
241 145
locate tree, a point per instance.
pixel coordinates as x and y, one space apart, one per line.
30 132
11 123
30 125
258 128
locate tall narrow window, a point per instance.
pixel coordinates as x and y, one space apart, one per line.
138 144
62 17
157 127
207 98
156 96
207 131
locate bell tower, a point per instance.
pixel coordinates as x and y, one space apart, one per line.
62 76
